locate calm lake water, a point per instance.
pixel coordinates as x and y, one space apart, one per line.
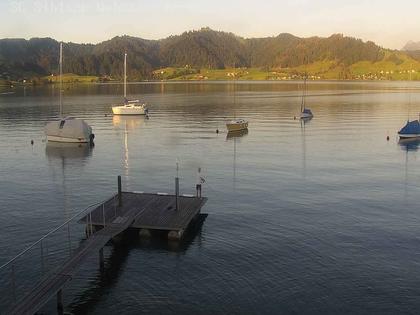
320 217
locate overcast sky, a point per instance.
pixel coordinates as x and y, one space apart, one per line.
388 23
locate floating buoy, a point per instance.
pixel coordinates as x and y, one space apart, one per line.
217 130
32 142
387 138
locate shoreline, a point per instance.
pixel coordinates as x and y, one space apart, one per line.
14 84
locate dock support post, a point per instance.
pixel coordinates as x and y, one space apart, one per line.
119 191
103 214
176 193
101 259
60 302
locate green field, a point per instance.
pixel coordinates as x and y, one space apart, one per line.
70 78
394 66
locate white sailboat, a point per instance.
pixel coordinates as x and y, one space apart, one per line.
68 129
236 124
130 107
305 112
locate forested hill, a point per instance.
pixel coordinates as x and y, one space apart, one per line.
205 48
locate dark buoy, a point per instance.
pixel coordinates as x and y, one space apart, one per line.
32 142
387 138
217 130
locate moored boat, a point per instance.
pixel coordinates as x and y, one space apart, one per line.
237 125
68 129
305 112
130 107
410 130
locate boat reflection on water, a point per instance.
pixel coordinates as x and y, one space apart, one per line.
236 134
68 151
66 158
305 120
127 122
409 144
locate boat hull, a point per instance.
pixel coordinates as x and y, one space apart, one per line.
69 130
236 126
123 110
66 140
409 136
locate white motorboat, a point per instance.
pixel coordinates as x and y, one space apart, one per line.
68 129
129 107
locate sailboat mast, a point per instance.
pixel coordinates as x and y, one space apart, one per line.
125 76
234 90
409 96
302 105
61 79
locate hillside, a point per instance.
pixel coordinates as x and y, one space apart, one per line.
208 54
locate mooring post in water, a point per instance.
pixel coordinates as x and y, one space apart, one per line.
60 302
176 188
119 191
176 193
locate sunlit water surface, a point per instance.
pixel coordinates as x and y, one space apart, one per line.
317 217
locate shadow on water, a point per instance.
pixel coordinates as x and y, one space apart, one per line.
236 134
409 144
305 120
85 301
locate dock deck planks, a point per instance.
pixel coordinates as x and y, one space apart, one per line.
158 212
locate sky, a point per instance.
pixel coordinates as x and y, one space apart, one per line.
390 24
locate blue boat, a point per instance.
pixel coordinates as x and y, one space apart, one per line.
305 112
410 130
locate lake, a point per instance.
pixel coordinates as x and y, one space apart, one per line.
303 217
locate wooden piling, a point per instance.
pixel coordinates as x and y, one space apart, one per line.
176 193
101 259
119 191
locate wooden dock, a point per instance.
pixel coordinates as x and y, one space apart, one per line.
148 212
143 211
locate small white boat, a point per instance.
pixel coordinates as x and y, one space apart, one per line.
237 125
68 129
130 107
